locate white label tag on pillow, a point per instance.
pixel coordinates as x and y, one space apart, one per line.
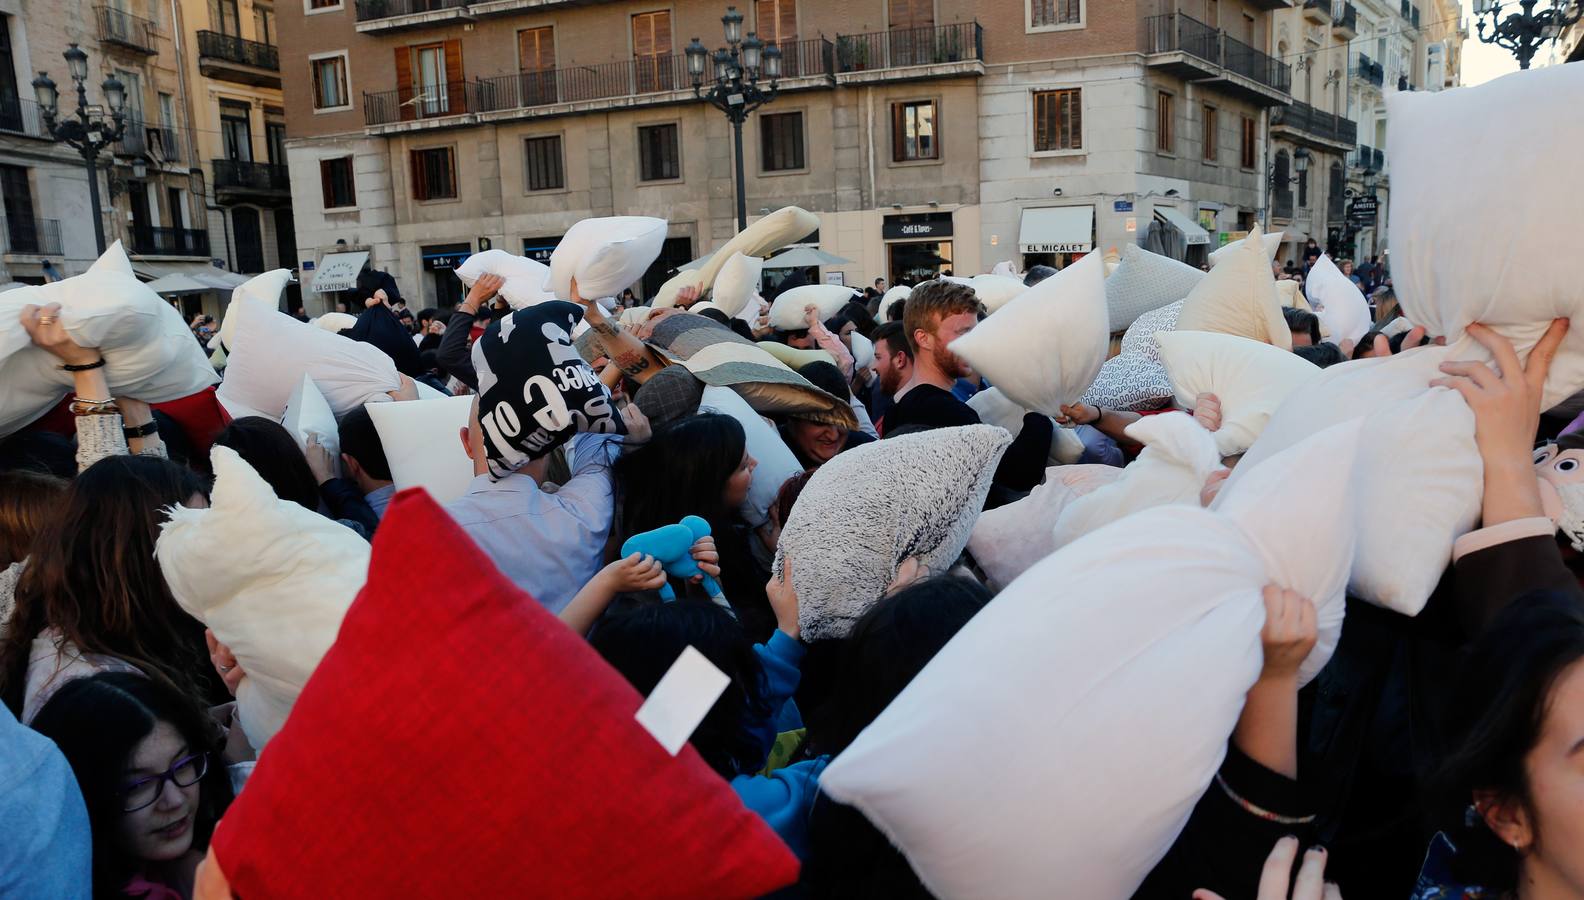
682 699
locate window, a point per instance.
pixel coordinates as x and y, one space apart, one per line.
249 238
224 18
1058 120
1246 157
1210 134
429 80
313 6
651 43
781 142
658 154
264 24
21 229
275 142
330 82
1164 141
235 131
536 60
777 23
1054 14
1303 190
434 174
335 180
913 133
542 155
10 109
906 14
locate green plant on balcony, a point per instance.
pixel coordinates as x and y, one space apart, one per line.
948 47
852 53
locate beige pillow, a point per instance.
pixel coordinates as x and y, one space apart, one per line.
1238 297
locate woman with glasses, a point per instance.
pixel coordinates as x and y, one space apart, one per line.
148 762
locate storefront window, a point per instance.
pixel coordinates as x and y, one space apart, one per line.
913 262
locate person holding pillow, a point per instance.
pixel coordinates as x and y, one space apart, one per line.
893 366
148 761
363 460
305 478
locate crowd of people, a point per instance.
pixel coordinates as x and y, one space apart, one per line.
1435 756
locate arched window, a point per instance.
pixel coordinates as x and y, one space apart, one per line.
1281 195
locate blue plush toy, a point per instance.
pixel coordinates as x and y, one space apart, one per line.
670 544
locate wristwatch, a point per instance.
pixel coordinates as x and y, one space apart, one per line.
141 431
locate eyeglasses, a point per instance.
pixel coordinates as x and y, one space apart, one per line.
185 772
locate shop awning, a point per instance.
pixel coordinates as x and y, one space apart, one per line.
339 271
1192 232
187 278
1057 229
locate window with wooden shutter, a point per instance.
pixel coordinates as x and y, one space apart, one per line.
1058 120
335 181
1054 13
1210 136
651 36
536 59
434 174
776 21
781 141
912 14
329 82
542 161
659 156
1164 137
913 131
404 84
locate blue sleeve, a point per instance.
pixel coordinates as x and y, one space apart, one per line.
782 658
783 799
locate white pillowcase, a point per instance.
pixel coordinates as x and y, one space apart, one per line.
634 316
421 444
277 602
1145 281
1009 539
667 294
892 295
333 322
762 238
1448 269
994 408
309 414
1029 774
149 351
1250 379
776 461
525 278
737 282
1045 348
786 311
1419 474
996 291
862 351
1341 306
1269 242
605 255
1238 297
265 290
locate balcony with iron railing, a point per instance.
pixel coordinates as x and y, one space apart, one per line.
150 241
19 116
1415 17
122 29
30 236
1370 158
1344 20
1191 49
396 15
1318 11
1282 204
230 58
238 180
1309 124
935 46
1367 71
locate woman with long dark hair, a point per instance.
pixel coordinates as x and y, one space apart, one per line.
148 761
92 596
307 479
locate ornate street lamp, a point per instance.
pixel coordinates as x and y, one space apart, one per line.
1523 32
738 69
88 132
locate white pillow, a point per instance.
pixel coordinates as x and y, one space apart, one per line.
265 290
762 238
1030 774
422 446
1290 297
776 462
149 351
635 316
333 322
755 308
996 291
605 255
1146 281
1009 539
1337 301
862 351
273 351
1419 474
1178 456
1250 379
1045 348
525 278
737 282
1238 297
864 512
277 602
1447 268
1269 242
892 295
308 413
994 408
786 312
666 296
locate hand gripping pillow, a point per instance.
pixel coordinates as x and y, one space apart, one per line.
439 810
994 408
666 296
1337 301
1146 281
1178 456
273 351
776 462
1238 297
787 311
1448 271
632 317
1270 243
737 282
604 255
1009 539
308 413
996 291
1045 348
525 278
149 351
289 576
1069 737
1420 446
867 510
762 238
421 445
1251 380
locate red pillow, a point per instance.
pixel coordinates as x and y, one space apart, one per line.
459 741
200 415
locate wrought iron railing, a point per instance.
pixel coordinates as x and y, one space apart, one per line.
239 174
19 116
899 47
368 10
229 47
163 143
120 27
1282 203
1256 65
1317 122
1323 6
1369 71
37 237
1175 32
152 241
1345 16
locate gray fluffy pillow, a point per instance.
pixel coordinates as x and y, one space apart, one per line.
1146 281
872 507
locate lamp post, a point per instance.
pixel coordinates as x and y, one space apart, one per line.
88 132
736 90
1524 31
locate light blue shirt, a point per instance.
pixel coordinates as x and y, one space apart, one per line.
549 545
47 842
379 498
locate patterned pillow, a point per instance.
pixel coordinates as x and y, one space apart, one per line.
1146 281
1140 337
1131 383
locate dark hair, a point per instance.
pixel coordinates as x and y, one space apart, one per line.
788 494
39 451
1502 693
98 722
92 574
859 315
897 310
642 642
895 337
827 378
270 449
715 315
361 441
879 281
681 471
1323 354
1398 339
427 313
26 501
1036 274
1366 343
1302 321
836 323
